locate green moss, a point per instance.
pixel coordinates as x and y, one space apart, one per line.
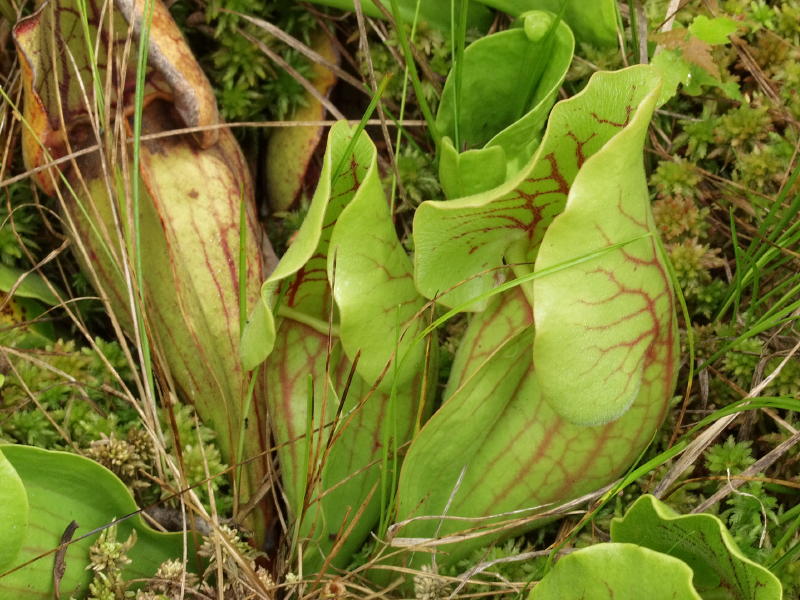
751 512
729 457
418 178
75 392
201 456
248 84
386 59
501 569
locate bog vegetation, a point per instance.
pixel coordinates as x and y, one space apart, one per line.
400 299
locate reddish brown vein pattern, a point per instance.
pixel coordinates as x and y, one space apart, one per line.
514 449
480 228
309 290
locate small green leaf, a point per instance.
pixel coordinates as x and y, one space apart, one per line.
14 509
25 325
674 71
593 22
617 572
512 78
701 541
699 79
713 31
31 286
61 488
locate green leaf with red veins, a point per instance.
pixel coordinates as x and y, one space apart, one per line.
347 278
373 287
513 78
331 482
515 451
299 281
514 433
348 239
463 244
603 328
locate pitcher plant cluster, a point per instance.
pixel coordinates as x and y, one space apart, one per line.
317 370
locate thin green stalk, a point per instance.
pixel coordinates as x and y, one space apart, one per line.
737 256
389 448
779 230
788 533
774 223
778 306
373 103
403 100
242 261
458 36
141 70
97 83
303 471
248 400
782 316
767 299
415 80
787 559
687 319
248 403
634 19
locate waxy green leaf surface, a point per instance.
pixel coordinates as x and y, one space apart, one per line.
602 326
617 572
14 506
461 244
515 451
346 241
342 294
593 22
193 189
701 541
58 488
436 14
512 428
31 285
23 324
510 80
